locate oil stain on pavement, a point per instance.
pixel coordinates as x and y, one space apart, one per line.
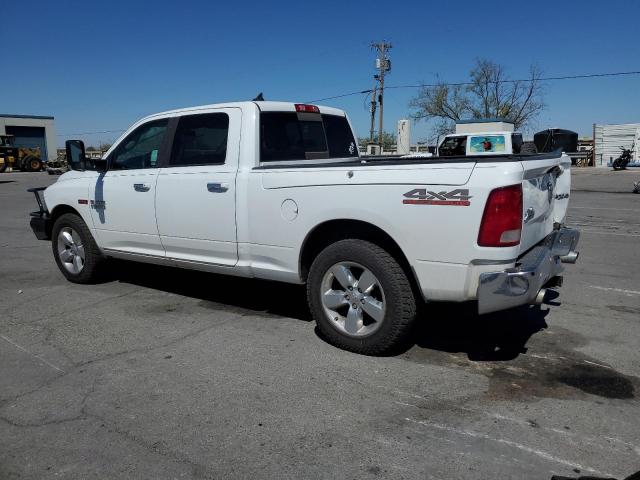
496 347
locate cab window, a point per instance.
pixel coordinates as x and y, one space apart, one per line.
453 146
141 148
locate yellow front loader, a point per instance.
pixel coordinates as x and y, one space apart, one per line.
18 158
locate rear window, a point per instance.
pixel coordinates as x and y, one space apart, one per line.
287 136
453 147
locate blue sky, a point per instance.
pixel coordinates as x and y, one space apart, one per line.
100 66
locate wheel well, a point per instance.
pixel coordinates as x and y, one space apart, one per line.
335 230
58 211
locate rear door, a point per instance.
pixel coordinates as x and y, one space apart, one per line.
196 190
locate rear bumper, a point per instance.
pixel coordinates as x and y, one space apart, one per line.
522 284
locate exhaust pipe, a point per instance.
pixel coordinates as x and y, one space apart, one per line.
540 296
570 257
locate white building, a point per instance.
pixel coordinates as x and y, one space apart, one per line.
31 131
609 139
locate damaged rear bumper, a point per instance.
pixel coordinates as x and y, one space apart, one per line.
525 283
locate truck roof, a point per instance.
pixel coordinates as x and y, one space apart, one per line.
270 106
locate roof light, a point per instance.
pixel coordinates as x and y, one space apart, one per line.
301 107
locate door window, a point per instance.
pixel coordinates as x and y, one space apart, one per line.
200 140
140 149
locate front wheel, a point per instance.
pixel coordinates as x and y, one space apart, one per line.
33 164
75 251
361 298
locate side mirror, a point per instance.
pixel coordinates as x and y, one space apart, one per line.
75 154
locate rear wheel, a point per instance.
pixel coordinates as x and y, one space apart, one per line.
75 250
361 298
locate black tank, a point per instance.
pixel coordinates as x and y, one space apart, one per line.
556 138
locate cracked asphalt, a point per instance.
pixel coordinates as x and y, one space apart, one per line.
161 373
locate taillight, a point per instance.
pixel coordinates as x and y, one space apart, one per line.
300 107
502 219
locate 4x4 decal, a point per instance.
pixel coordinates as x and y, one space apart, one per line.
422 196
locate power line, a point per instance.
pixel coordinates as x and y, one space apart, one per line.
422 85
461 84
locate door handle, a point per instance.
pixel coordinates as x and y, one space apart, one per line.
141 187
217 187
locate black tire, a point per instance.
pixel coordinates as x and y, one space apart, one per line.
528 148
31 164
400 304
92 269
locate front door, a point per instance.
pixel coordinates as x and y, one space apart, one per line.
123 198
196 191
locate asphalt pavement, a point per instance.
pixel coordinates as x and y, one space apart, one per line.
161 373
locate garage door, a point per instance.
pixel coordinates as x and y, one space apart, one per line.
29 137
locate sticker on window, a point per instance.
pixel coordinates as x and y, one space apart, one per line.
487 144
154 158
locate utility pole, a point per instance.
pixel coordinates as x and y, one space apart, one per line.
383 64
373 112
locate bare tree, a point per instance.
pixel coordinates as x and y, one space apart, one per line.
490 93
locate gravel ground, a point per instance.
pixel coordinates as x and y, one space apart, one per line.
162 373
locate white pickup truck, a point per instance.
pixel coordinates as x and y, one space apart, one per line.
277 191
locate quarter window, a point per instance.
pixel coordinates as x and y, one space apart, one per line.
201 140
141 148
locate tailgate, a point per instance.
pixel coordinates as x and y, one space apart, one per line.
545 196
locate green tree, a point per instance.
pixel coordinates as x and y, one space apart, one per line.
388 139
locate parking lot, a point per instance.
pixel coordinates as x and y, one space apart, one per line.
162 373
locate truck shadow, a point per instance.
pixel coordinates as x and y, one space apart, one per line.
444 327
457 328
217 292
